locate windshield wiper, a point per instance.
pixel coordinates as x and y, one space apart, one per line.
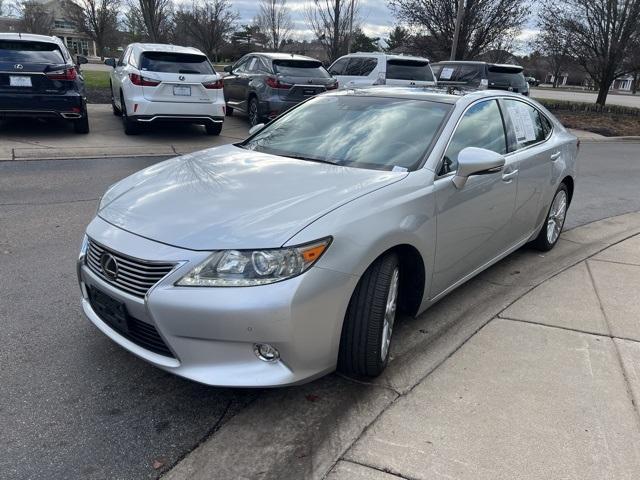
310 159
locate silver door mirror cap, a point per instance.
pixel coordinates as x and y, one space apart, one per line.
256 128
476 161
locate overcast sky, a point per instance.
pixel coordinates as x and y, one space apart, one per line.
377 19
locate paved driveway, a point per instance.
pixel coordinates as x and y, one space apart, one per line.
74 405
588 97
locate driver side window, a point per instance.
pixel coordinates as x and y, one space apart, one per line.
481 127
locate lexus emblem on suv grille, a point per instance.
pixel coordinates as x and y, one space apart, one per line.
18 66
181 77
109 266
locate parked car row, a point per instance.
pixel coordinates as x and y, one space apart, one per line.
153 83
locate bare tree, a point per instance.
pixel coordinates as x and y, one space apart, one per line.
35 18
602 35
206 24
133 24
98 19
333 23
486 24
156 16
274 19
553 41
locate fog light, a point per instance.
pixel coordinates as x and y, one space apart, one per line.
266 352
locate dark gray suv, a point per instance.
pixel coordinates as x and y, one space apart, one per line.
263 85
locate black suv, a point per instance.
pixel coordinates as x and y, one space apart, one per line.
38 78
481 75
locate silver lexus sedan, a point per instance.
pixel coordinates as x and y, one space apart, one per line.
283 257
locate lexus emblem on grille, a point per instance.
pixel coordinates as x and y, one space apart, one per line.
18 66
181 77
109 266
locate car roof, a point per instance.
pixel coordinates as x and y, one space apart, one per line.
164 47
433 94
507 66
386 55
30 37
283 56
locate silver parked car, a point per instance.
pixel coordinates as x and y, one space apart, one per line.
275 260
263 85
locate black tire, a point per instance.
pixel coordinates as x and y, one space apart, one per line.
253 111
543 242
82 125
361 342
130 126
213 128
114 107
228 111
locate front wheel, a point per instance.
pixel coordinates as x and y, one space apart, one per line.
368 324
550 232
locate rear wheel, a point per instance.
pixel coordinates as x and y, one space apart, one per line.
228 111
114 107
550 232
253 112
368 325
213 128
130 126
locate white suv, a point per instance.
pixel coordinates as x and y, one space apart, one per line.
363 69
153 82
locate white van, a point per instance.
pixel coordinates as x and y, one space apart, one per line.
363 69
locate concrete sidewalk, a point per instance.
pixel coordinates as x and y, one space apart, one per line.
529 371
547 389
31 139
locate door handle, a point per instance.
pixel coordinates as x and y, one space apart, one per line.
507 177
555 156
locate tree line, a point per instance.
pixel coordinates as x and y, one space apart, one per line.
602 36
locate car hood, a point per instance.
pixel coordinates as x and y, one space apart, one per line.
231 198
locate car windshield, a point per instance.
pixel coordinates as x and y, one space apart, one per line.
30 52
169 62
409 70
357 131
300 68
501 76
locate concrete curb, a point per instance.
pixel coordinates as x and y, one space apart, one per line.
302 432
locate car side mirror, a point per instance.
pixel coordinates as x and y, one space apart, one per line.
476 161
228 68
111 62
256 128
81 60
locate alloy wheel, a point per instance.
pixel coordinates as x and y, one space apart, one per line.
390 314
557 214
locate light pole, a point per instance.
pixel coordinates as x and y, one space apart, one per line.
456 32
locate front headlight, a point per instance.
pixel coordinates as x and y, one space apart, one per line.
247 268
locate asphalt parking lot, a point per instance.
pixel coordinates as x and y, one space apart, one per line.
77 406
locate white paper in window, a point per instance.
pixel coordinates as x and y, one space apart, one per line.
446 73
522 122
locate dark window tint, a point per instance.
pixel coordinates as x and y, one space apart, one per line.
168 62
360 67
481 127
468 74
338 66
436 70
525 123
409 70
364 132
30 52
300 68
504 77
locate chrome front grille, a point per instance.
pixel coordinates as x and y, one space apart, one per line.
133 275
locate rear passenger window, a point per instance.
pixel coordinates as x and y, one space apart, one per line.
409 70
481 127
360 67
526 124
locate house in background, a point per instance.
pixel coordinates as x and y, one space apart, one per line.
63 28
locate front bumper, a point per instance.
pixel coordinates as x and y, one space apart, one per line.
212 331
